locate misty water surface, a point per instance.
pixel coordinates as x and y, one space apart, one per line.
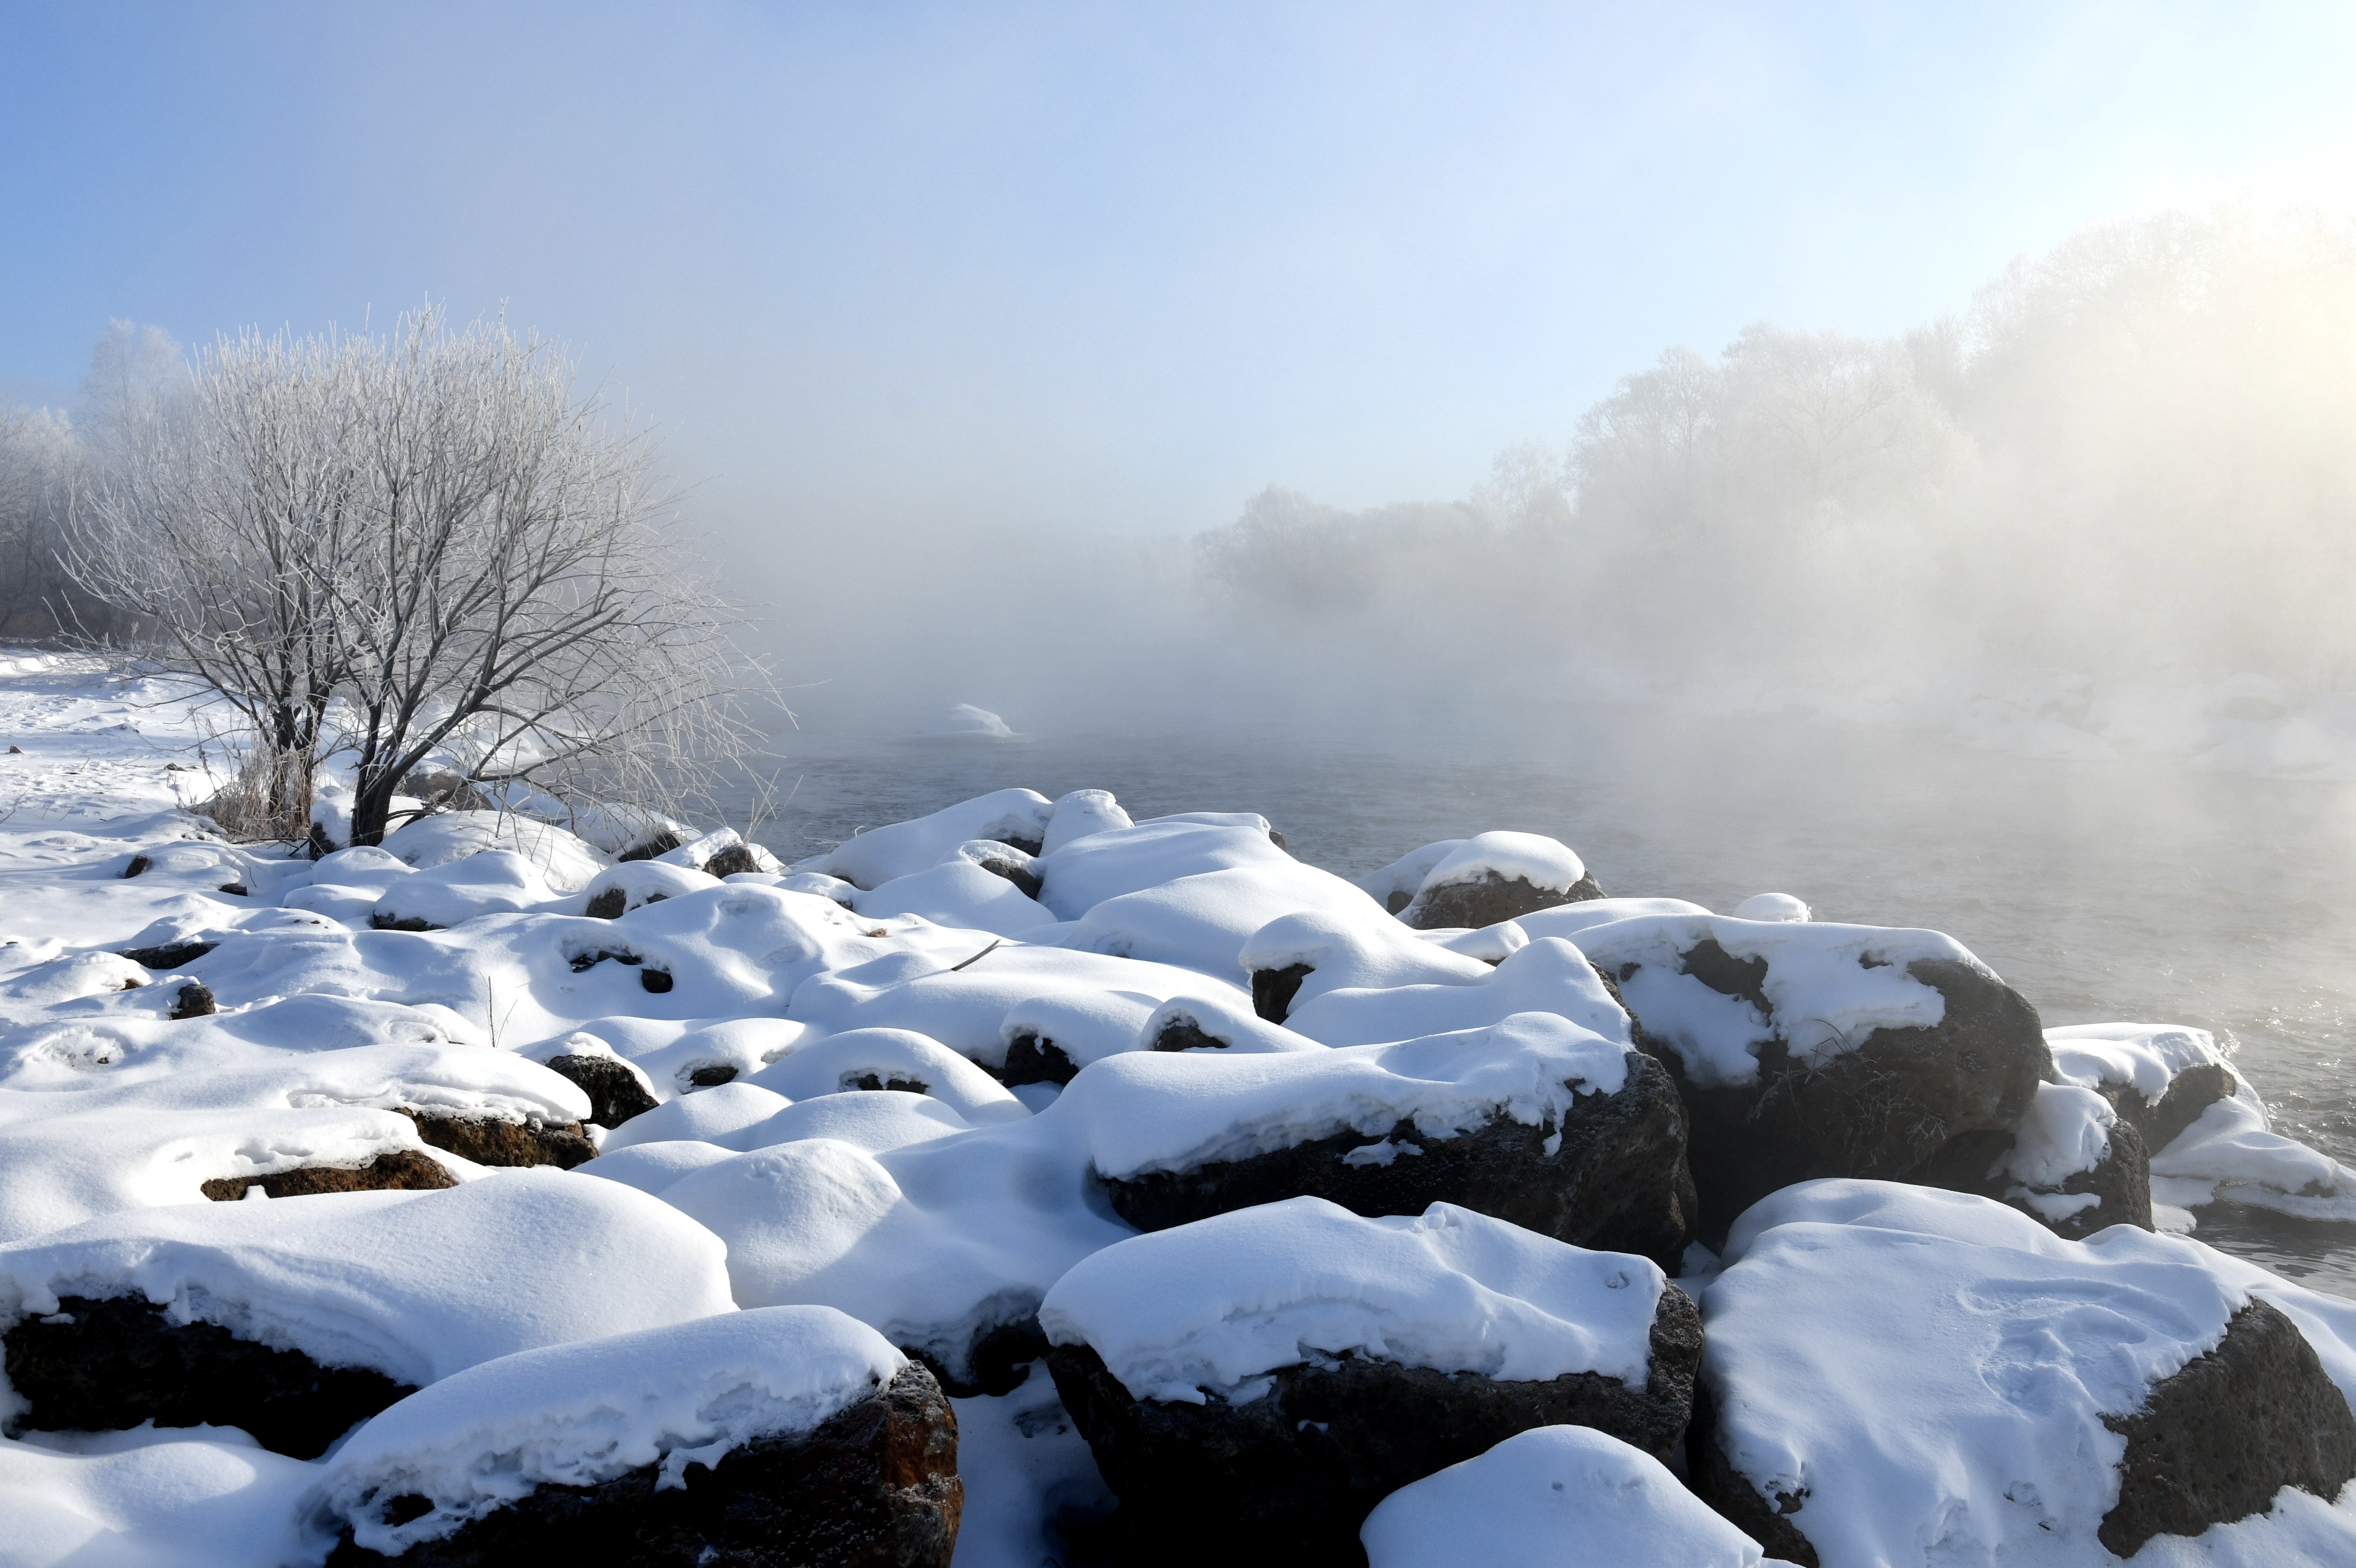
2128 890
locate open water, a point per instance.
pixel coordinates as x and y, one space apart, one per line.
2101 890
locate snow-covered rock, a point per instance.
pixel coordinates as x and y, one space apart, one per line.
2049 1401
880 854
1492 877
791 1431
1554 1496
1266 1376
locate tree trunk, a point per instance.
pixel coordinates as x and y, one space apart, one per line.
372 807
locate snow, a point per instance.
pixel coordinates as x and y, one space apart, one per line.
198 1497
642 882
576 1415
2066 1130
1830 987
1977 1435
1407 874
1203 921
958 892
1557 1497
1547 975
1771 906
714 1116
1080 814
1082 873
829 1065
564 862
1211 1306
1023 1463
416 1285
495 881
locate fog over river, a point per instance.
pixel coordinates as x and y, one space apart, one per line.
2101 890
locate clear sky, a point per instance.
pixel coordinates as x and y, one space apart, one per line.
1110 265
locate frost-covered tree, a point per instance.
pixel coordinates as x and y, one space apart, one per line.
424 546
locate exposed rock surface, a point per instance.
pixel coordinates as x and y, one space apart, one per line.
661 842
106 1365
1489 899
2215 1442
1617 1180
2121 1180
1290 1475
404 1170
488 1141
615 1091
1882 1110
1273 990
1030 1060
194 1000
170 954
873 1487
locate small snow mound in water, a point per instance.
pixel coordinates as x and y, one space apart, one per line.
1771 906
965 720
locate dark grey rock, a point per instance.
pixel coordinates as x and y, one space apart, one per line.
608 906
1273 990
1030 1060
1289 1477
710 1075
1491 898
1882 1110
2122 1180
2215 1440
875 1486
169 954
107 1364
734 859
193 1000
661 842
1617 1180
1003 859
615 1093
136 866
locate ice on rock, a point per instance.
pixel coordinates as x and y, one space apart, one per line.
880 854
715 1116
1205 921
576 1415
1175 1110
1080 814
871 1059
961 894
1829 986
1085 872
1977 1434
1548 975
415 1284
1211 1306
1556 1496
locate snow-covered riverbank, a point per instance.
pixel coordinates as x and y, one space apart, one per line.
1078 1117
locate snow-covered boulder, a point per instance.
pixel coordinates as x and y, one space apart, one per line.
1080 814
2073 1162
225 1314
620 889
962 891
788 1434
1906 1376
1492 877
1533 1119
723 852
1260 1380
1298 957
1203 921
1547 976
870 859
2209 1133
889 1058
1555 1497
564 861
495 881
1086 871
616 1089
1806 1050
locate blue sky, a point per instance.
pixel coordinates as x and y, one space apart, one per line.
1110 265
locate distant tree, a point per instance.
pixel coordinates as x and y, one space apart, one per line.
39 460
419 546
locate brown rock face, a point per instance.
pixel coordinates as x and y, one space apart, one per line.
403 1170
615 1093
1492 898
193 1000
488 1141
104 1365
1289 1477
2217 1440
1617 1180
874 1486
1882 1110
